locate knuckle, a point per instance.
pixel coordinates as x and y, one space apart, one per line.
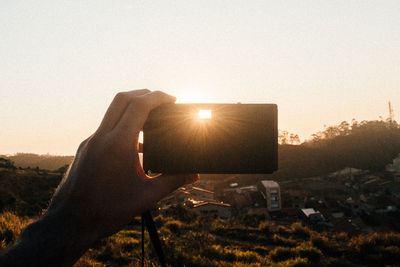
85 143
159 94
121 96
92 141
82 145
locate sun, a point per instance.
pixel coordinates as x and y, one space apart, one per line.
205 114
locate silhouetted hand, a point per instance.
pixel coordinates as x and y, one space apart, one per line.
104 188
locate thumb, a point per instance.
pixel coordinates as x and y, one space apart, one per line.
164 184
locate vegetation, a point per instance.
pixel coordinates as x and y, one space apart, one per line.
215 242
26 192
367 145
192 240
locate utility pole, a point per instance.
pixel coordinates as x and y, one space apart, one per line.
391 114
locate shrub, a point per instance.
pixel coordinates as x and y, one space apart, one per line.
313 254
10 227
297 262
282 254
391 255
282 241
174 226
326 245
252 220
181 213
266 228
300 231
282 230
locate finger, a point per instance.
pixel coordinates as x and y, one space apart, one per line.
164 184
117 107
138 110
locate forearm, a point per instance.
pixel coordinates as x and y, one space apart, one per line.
54 240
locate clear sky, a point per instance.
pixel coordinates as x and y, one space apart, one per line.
322 62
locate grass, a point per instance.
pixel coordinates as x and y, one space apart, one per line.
229 243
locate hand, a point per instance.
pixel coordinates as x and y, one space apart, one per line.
104 188
106 184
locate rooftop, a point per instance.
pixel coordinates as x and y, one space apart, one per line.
202 190
269 183
212 203
308 212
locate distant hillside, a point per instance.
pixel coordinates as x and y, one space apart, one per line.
46 162
26 191
369 145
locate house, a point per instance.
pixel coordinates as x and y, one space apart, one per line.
397 177
239 201
271 192
199 193
311 216
346 172
295 198
395 166
386 209
214 209
176 198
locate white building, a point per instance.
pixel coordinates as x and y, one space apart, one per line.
311 215
272 194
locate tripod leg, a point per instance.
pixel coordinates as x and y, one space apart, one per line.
155 239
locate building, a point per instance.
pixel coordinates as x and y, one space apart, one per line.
214 209
176 198
395 166
397 177
295 198
271 192
187 196
201 194
311 216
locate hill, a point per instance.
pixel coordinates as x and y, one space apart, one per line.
249 240
26 192
369 145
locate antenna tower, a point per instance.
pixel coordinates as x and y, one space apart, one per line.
391 114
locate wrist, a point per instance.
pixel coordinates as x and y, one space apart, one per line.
66 233
57 239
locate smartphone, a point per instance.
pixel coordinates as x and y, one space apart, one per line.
211 138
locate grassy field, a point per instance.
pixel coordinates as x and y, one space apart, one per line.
190 240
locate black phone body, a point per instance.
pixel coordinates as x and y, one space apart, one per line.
211 138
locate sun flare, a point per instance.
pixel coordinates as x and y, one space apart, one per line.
205 114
